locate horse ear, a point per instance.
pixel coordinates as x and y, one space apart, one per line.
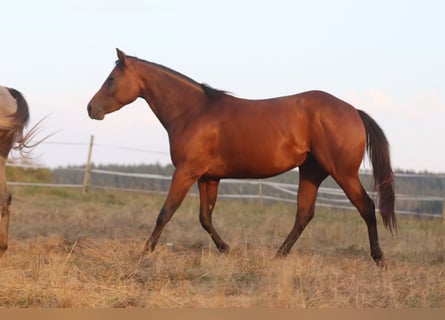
121 55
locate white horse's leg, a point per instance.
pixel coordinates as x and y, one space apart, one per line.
5 198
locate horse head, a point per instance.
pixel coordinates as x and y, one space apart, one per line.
120 88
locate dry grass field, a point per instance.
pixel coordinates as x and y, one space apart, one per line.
69 250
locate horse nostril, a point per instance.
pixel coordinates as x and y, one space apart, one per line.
89 109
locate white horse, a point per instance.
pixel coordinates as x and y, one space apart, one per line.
14 115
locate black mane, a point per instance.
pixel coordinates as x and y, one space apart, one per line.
212 92
209 91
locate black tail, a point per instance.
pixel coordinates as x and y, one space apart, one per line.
22 112
16 123
20 117
378 150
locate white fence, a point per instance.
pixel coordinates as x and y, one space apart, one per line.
284 192
265 191
261 190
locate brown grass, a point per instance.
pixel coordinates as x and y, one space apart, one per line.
66 250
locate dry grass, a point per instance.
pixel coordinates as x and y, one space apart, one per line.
72 251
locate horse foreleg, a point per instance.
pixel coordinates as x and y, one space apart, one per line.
208 191
5 198
181 183
311 176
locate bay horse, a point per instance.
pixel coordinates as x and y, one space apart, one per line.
214 135
14 116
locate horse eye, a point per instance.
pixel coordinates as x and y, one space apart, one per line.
110 79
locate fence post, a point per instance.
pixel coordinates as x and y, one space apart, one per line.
260 191
86 177
443 211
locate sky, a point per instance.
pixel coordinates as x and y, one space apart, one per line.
384 57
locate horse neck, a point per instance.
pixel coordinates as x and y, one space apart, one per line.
173 98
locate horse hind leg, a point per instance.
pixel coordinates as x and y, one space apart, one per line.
311 176
360 199
208 191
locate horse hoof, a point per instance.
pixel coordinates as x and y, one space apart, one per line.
223 248
281 253
2 250
380 263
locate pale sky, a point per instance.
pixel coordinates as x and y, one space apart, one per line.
384 57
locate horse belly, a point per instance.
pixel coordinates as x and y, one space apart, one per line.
252 142
257 160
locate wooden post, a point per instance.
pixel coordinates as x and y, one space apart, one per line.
443 211
260 191
86 177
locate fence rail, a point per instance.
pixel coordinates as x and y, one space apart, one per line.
266 191
261 190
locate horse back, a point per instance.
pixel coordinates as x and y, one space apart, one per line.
258 138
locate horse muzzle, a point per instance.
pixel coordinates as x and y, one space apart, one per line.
94 114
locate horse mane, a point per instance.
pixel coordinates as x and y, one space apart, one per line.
212 92
209 91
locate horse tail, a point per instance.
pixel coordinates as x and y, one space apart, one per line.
14 126
377 147
19 119
22 113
